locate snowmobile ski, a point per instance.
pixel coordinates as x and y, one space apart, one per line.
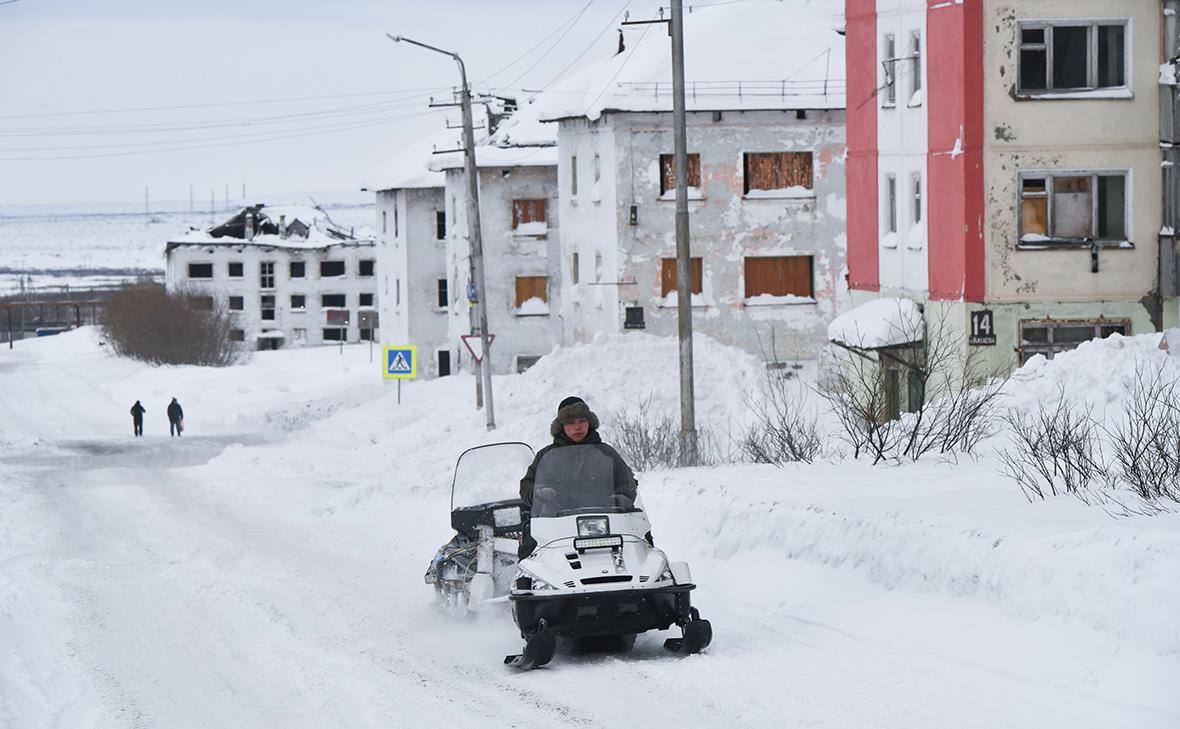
698 634
539 649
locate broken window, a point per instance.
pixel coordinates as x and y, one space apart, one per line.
779 276
524 361
668 278
366 267
1074 56
365 300
1073 207
889 66
917 186
444 362
200 270
574 268
298 269
1048 336
203 303
573 175
440 224
266 274
268 307
334 334
443 296
890 203
235 269
525 212
237 335
668 172
237 303
298 302
777 171
329 269
333 301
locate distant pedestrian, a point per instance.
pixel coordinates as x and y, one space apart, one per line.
175 418
137 412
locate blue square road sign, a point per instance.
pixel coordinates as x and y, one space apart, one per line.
400 363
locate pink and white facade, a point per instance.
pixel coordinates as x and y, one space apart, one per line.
1004 166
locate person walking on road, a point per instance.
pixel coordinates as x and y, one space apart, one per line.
175 418
137 412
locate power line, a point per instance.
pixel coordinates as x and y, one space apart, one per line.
586 50
572 19
555 44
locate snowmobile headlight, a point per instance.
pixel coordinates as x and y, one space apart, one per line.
593 526
584 543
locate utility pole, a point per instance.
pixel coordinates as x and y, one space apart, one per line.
484 367
688 431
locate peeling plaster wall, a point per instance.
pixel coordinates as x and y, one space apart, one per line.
506 256
1073 134
725 226
412 259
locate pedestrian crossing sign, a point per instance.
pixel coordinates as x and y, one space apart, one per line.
400 363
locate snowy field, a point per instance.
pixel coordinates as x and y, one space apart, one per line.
265 570
56 248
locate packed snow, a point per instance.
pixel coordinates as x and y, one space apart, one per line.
266 568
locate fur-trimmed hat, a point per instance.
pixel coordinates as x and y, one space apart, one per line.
571 409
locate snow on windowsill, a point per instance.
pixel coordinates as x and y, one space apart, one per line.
915 239
538 229
1118 93
917 99
671 300
771 300
795 192
694 193
1037 242
533 307
1167 230
1168 74
889 241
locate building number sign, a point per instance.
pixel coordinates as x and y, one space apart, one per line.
983 329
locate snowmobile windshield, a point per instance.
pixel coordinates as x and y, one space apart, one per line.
489 473
576 480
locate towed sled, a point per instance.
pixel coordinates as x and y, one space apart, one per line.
477 566
595 577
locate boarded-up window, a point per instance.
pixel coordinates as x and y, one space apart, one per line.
668 279
779 276
531 287
668 172
527 211
777 170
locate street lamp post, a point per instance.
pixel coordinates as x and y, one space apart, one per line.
473 229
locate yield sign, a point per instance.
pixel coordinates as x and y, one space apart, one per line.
474 344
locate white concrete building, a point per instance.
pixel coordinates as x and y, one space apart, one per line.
766 183
286 274
412 233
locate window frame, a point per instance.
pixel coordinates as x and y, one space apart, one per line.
371 265
229 269
267 313
915 59
440 224
266 273
299 307
809 298
889 70
360 300
667 164
1091 89
522 207
343 268
189 271
342 305
519 299
442 294
1053 241
241 301
757 193
1051 348
302 269
669 278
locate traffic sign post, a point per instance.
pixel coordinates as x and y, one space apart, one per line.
400 363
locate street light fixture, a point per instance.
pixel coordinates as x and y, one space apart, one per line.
484 366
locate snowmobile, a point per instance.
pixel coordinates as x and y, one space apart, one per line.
595 573
477 565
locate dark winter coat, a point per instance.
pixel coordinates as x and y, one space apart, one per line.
137 411
625 482
175 413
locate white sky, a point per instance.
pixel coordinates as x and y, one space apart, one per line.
63 59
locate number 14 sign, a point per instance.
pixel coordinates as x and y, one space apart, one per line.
983 328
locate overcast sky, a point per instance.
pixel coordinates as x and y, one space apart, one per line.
62 62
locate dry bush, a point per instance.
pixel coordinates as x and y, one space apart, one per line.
958 404
1145 443
150 324
647 437
784 429
1056 450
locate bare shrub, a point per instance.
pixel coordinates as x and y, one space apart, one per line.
784 429
150 324
1145 442
648 438
955 398
1057 450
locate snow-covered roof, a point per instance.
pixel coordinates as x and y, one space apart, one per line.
307 227
757 54
521 140
411 167
879 323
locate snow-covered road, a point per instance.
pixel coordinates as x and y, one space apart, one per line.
236 579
